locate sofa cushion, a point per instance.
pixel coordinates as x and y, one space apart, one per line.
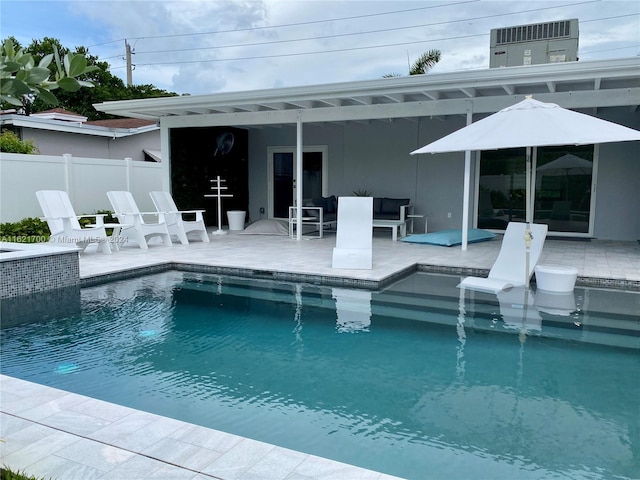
377 206
392 205
331 204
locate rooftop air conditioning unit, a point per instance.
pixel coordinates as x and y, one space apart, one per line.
549 42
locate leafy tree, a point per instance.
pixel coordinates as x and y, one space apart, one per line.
107 87
22 80
422 65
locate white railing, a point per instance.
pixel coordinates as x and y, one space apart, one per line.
86 180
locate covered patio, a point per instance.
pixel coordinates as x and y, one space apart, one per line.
362 133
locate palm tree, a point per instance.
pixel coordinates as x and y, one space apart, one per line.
422 65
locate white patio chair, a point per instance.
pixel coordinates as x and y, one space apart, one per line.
64 225
177 226
509 268
127 212
354 236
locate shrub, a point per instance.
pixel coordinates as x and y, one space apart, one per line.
27 230
11 143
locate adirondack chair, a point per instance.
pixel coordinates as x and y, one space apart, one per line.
127 212
176 224
64 225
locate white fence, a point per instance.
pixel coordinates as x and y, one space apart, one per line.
86 180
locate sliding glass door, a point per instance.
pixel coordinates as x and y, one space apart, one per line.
563 185
283 181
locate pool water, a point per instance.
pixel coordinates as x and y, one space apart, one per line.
420 380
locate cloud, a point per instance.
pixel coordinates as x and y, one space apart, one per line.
195 47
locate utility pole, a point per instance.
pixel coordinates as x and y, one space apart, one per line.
129 67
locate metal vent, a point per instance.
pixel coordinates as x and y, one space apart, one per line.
527 33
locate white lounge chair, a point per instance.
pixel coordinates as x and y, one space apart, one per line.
127 212
175 223
509 269
64 225
354 236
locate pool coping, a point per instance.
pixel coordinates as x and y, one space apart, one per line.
63 435
330 280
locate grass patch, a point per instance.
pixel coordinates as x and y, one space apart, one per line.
7 474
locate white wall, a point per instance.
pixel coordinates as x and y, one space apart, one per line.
87 180
375 156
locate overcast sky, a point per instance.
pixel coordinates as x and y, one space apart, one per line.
213 46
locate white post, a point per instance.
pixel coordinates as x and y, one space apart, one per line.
466 188
528 216
67 175
299 181
129 173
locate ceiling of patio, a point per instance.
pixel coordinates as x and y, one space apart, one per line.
586 86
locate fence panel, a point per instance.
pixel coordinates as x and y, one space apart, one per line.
87 180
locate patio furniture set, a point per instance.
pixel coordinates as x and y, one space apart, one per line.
322 213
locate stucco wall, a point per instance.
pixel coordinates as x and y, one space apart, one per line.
375 156
59 143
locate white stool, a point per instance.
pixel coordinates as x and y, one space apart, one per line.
556 278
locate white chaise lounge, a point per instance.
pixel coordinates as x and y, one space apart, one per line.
127 212
64 225
509 269
176 224
354 236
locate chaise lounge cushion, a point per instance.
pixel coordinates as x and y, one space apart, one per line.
388 208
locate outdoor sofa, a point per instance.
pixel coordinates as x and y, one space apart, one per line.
322 213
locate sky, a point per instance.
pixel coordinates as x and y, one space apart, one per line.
199 47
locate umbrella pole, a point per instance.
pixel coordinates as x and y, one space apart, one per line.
528 215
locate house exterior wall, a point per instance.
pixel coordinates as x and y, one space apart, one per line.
51 142
375 156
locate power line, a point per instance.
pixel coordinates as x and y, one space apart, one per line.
383 30
258 57
310 22
297 54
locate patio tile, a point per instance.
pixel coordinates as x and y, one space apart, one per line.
137 431
277 464
74 422
95 455
242 457
53 467
323 469
136 468
182 453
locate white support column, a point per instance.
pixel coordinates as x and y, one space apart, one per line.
165 153
467 184
299 180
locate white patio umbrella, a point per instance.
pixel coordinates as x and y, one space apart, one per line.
529 123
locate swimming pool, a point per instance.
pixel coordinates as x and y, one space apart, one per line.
418 380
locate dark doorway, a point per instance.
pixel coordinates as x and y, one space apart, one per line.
198 156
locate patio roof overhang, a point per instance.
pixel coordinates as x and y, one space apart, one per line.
574 85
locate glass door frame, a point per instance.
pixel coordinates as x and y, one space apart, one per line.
534 162
322 149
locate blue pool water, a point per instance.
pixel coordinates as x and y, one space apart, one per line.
420 380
